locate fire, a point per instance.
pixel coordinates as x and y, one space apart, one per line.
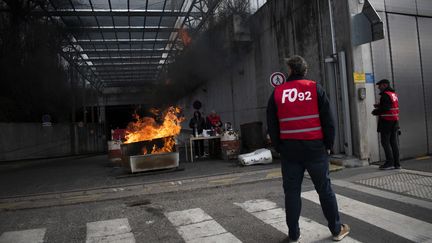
147 128
184 36
169 143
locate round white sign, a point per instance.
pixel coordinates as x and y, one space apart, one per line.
277 78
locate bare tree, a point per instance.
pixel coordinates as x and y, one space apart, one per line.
228 8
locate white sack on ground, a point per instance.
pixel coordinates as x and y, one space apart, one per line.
260 156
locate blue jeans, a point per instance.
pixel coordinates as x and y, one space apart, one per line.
292 175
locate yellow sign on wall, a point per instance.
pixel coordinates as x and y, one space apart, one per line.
359 77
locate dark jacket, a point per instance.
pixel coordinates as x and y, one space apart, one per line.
292 149
385 104
197 122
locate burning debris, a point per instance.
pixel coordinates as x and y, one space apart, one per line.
168 144
163 129
150 141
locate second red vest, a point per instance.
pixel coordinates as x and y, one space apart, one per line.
393 113
297 105
213 120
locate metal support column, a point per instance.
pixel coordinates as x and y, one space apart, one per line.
345 103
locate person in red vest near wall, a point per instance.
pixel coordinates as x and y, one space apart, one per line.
302 130
388 124
214 123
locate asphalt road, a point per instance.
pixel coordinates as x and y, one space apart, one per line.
83 173
375 215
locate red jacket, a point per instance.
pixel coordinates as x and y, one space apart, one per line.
297 110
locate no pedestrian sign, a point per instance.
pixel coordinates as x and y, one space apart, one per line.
277 78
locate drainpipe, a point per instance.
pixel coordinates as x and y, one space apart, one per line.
233 100
332 28
345 104
340 61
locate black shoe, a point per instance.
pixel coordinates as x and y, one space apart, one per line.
397 167
386 167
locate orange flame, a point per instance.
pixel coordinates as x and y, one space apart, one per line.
147 128
169 143
184 36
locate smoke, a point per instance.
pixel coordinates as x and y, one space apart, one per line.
199 62
209 54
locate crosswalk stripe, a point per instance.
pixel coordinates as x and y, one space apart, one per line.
194 225
268 212
115 230
24 236
399 224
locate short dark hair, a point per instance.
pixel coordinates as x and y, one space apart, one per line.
297 64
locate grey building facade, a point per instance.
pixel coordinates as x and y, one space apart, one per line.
325 33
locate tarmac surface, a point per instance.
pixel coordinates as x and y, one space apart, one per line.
80 198
30 177
90 172
63 181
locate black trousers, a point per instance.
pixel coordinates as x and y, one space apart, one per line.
292 176
390 146
214 148
199 147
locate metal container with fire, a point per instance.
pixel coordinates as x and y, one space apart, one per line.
136 158
150 144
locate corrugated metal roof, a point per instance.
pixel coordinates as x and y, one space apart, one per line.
117 43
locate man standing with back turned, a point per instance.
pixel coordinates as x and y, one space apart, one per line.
388 124
301 128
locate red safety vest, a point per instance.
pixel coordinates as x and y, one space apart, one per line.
297 105
214 119
393 113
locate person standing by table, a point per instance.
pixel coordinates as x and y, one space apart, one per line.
197 123
214 123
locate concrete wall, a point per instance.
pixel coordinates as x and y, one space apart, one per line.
31 140
283 28
402 57
278 30
356 62
126 96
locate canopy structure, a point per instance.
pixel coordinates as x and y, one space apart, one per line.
125 43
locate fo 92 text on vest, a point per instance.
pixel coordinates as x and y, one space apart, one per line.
293 95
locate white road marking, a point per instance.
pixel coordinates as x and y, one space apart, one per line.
399 224
24 236
115 230
268 212
194 225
